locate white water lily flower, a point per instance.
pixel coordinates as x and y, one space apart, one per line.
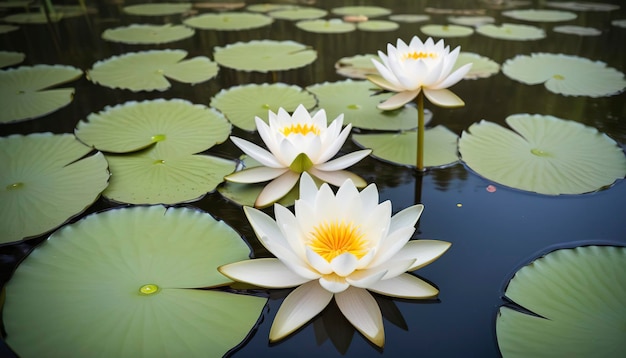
409 69
297 144
338 246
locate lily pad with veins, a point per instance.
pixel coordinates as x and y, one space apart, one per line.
147 34
125 283
511 32
9 58
264 55
228 21
326 26
45 180
540 15
543 154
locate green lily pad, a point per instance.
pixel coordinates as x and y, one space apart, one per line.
543 154
7 28
154 176
147 70
401 148
228 21
332 26
471 20
26 18
9 58
147 34
156 9
582 6
25 93
446 30
267 7
482 67
176 126
264 55
409 18
377 25
579 296
540 15
298 13
564 74
45 180
241 104
369 11
577 30
511 32
355 100
358 66
619 23
121 283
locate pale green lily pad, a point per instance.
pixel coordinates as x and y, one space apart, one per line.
147 34
44 182
7 28
582 5
267 7
619 23
228 21
147 70
358 66
298 13
156 9
153 176
577 30
265 55
401 148
331 26
564 74
377 25
356 101
8 4
512 32
121 283
579 296
543 154
176 126
241 104
25 91
26 18
369 11
540 15
482 67
471 20
9 58
446 30
409 18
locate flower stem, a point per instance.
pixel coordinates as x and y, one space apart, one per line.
420 131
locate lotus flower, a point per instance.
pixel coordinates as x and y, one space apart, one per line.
409 69
337 246
297 144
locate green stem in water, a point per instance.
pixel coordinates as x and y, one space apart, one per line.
420 131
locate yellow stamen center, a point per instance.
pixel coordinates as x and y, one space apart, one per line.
418 55
330 240
300 128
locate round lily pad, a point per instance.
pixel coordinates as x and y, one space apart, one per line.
122 283
228 21
26 18
177 126
409 18
355 100
447 30
369 11
511 32
482 67
25 91
241 104
147 34
358 66
471 20
7 28
149 70
157 9
45 180
264 55
401 148
578 295
332 26
619 23
377 25
543 154
540 15
298 13
577 30
267 7
582 6
9 58
564 74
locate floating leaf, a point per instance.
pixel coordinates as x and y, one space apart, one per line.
482 67
156 9
447 30
147 34
225 21
579 296
298 13
147 70
582 6
24 92
512 32
9 58
377 25
264 55
540 15
355 100
409 18
267 7
471 20
121 284
577 30
619 23
401 148
567 75
358 66
326 26
33 18
369 11
45 180
241 104
543 154
176 126
7 28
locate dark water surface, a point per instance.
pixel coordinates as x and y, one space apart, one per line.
493 234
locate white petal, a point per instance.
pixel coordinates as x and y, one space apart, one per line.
404 286
268 273
443 98
395 267
266 134
300 306
383 82
301 114
318 262
338 177
333 283
398 100
259 154
344 264
454 77
365 278
406 217
288 224
422 251
391 245
276 189
308 189
344 161
369 196
334 146
293 262
264 227
449 62
416 44
361 309
255 175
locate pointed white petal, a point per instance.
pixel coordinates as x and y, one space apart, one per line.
300 306
344 264
255 175
404 286
383 82
288 224
338 177
334 146
317 262
361 309
333 283
365 278
423 251
454 77
344 161
276 189
443 98
266 134
264 227
398 100
308 189
259 154
395 267
268 273
392 244
406 217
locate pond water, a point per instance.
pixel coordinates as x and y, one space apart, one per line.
493 234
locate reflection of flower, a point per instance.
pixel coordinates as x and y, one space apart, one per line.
408 69
297 144
338 246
